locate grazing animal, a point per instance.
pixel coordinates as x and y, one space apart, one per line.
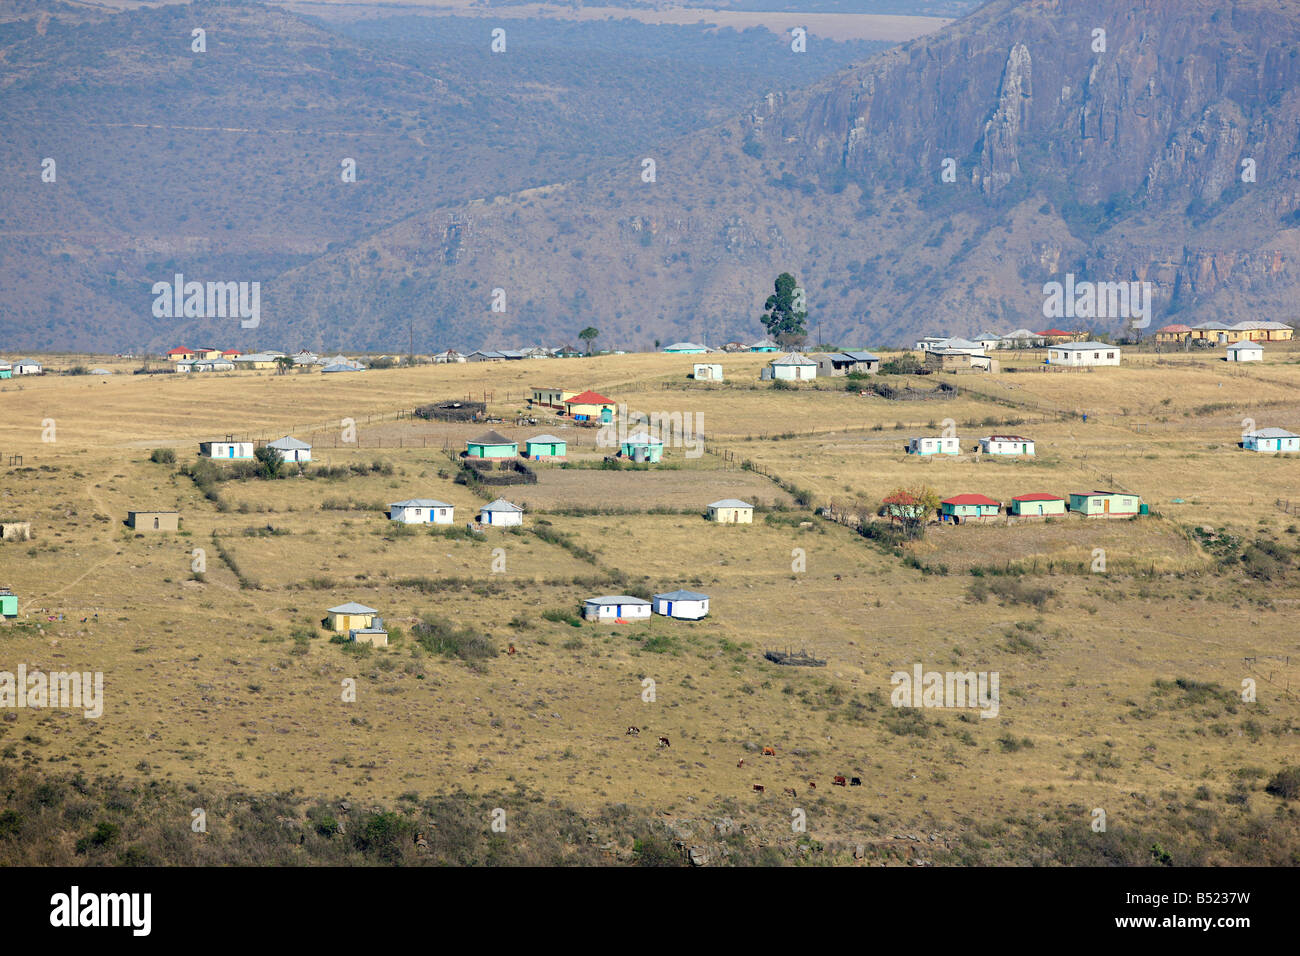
839 781
742 762
663 741
758 788
791 791
837 577
511 651
769 751
855 782
811 785
632 731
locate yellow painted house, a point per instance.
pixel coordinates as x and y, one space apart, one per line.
351 616
590 406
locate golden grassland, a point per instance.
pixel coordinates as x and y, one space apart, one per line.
208 686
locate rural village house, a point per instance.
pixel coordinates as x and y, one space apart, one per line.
421 511
546 448
731 511
589 406
291 449
1038 504
684 605
501 513
934 446
707 372
154 520
961 509
1007 445
8 603
1271 440
1105 504
795 367
643 447
491 445
615 607
1080 354
1245 351
226 450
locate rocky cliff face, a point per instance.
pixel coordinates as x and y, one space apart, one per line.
934 188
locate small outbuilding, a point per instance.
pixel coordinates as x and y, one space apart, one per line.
501 513
491 444
616 607
1245 351
684 605
707 372
11 530
546 448
643 447
421 511
731 511
962 509
28 367
589 407
154 520
8 603
1038 504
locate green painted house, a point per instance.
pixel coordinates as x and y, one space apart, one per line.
545 446
491 444
1106 504
961 509
643 446
6 371
1039 504
8 603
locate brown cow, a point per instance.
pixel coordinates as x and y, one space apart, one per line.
663 741
769 751
811 785
758 788
742 762
839 781
511 651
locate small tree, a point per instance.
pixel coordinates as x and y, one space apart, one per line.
283 363
911 508
269 461
589 335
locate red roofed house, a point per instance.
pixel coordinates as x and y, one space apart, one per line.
1174 333
1057 336
231 354
1038 504
960 509
180 355
590 406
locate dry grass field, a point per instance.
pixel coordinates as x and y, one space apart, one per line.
1120 689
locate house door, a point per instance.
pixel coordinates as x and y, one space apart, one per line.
231 451
606 416
1105 505
670 608
1040 509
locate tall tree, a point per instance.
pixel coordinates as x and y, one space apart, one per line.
283 363
785 313
589 335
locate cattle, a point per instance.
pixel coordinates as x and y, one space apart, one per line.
511 651
790 791
758 788
839 781
769 751
811 785
663 741
855 782
632 731
742 762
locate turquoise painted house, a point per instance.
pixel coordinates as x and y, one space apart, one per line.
961 509
1039 504
545 446
685 348
8 603
1106 504
6 371
1271 439
491 444
643 447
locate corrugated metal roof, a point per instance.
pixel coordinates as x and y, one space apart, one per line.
617 599
288 442
682 596
420 503
731 503
352 607
501 505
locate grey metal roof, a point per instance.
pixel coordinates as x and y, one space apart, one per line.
501 505
1085 346
794 358
682 596
863 356
1272 433
617 599
288 443
547 440
641 438
731 503
1238 346
352 607
421 503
